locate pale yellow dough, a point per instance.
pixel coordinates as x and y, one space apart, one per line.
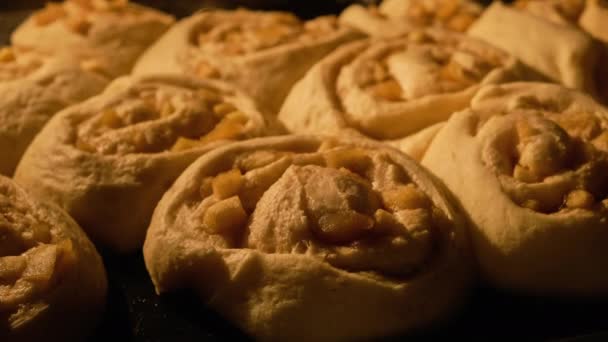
388 89
301 238
108 160
562 53
52 281
33 88
264 53
528 163
393 18
110 33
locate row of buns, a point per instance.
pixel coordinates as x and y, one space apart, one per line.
340 178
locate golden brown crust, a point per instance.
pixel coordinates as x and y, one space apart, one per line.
338 238
50 273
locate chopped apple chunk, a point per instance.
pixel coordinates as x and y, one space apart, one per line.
386 222
405 197
7 55
110 119
231 127
355 159
388 90
183 144
227 184
344 226
225 217
579 199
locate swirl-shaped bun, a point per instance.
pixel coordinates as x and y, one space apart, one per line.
563 12
264 53
528 162
396 17
51 276
112 33
557 49
389 89
300 238
33 87
107 161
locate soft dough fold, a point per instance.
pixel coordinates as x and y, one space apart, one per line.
388 89
263 53
51 276
306 238
528 162
107 161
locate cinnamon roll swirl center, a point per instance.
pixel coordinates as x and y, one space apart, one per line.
165 119
554 162
352 207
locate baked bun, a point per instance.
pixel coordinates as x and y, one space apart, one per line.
264 53
33 87
396 17
111 32
562 53
528 162
564 12
305 238
594 19
52 281
387 89
107 161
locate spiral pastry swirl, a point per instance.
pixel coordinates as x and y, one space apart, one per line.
119 151
264 53
276 228
389 89
50 273
539 154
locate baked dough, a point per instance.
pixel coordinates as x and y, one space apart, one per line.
301 238
594 19
107 161
415 145
564 12
52 281
264 53
388 89
33 87
397 17
113 33
562 53
528 162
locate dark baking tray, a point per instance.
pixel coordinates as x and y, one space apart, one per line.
135 313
